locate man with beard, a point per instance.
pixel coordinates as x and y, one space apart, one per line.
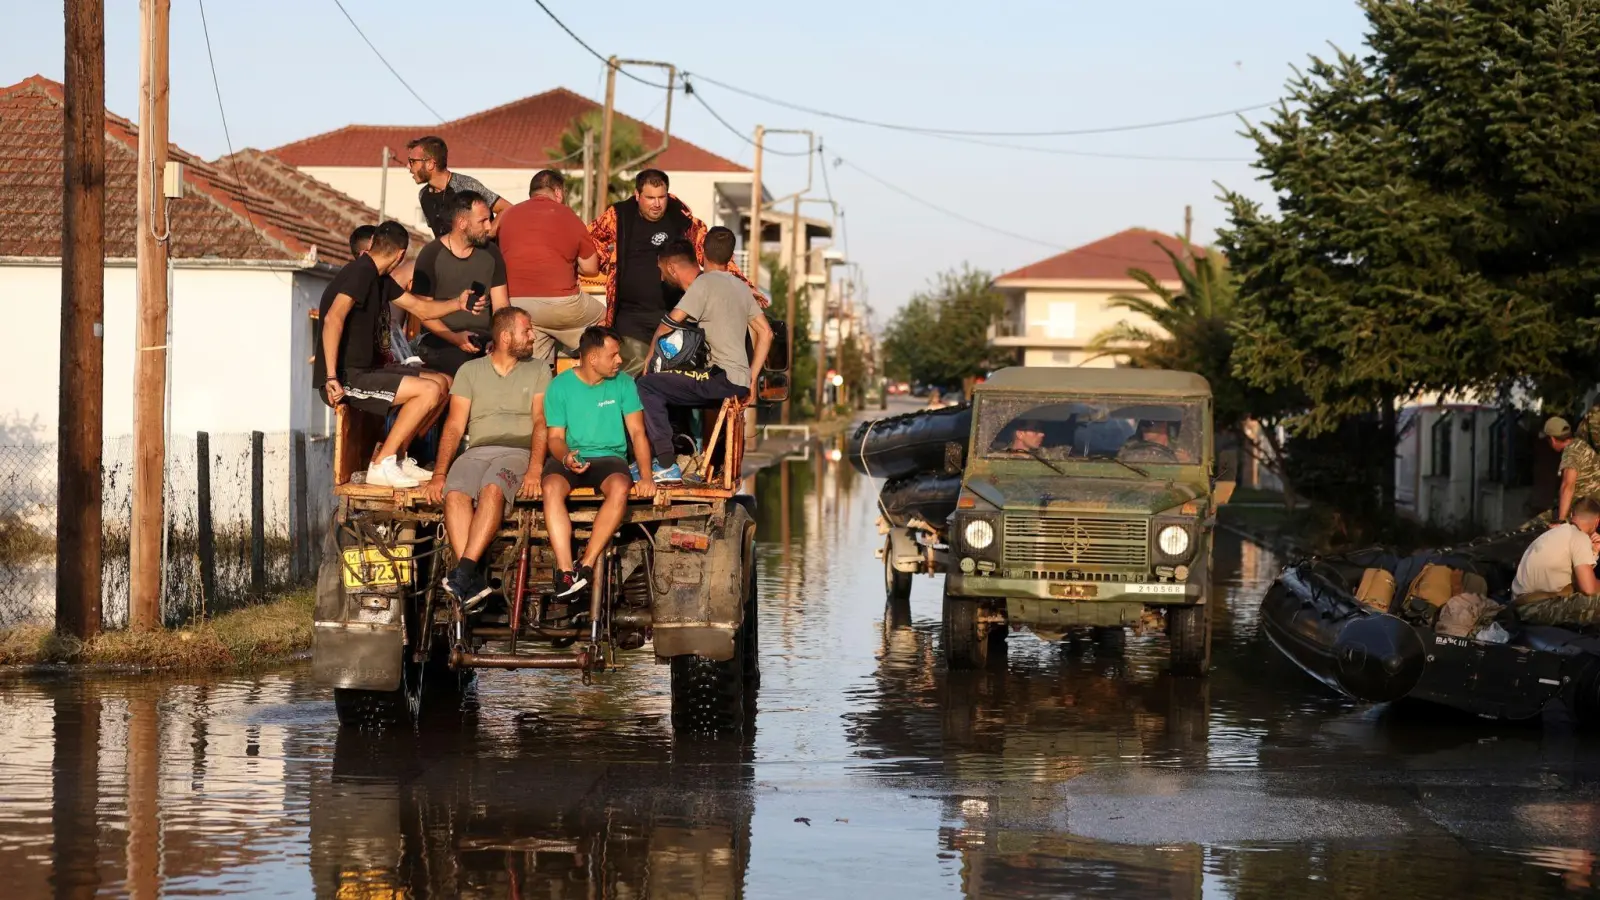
428 161
497 402
462 260
629 234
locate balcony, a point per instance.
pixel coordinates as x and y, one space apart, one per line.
1012 333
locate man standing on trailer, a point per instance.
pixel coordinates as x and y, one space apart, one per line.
546 247
593 412
497 403
629 234
428 161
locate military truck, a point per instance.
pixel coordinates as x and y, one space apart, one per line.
680 575
1087 499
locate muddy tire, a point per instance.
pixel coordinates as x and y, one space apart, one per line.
1110 640
712 696
1189 637
896 584
967 643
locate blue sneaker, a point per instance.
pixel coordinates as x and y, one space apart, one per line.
669 475
633 471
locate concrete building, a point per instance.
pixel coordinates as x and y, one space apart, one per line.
503 147
1473 465
1056 306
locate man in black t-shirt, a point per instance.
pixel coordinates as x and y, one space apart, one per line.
462 260
629 234
351 358
428 161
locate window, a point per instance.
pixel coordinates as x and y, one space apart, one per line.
1511 445
1442 432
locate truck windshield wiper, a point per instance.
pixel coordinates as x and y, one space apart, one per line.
1125 464
1038 454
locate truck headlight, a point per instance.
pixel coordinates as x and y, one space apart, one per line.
979 534
1173 540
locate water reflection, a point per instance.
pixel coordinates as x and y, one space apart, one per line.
1070 769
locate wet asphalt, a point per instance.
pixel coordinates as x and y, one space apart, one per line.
1067 770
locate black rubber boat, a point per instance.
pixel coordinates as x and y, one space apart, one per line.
1311 614
930 497
926 441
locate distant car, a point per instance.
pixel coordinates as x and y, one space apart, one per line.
899 387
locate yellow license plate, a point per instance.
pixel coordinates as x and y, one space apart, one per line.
1075 591
370 568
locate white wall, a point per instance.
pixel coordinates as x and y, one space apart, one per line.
232 351
697 189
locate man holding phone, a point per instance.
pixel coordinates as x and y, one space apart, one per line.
592 412
462 260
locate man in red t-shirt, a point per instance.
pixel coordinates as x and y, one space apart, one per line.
546 247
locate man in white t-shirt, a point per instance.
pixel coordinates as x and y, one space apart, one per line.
1555 582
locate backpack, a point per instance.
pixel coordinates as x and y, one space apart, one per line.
683 349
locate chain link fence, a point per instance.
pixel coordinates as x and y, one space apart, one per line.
243 511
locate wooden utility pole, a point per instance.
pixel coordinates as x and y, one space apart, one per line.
82 369
383 184
150 342
604 185
1188 229
752 249
587 197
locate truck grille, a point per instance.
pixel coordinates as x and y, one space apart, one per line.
1063 543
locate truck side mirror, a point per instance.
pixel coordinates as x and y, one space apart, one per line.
774 387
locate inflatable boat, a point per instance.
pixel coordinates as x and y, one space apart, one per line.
930 498
1369 625
926 441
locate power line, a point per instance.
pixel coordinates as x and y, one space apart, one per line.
592 51
222 113
1109 129
916 198
1091 154
429 107
742 136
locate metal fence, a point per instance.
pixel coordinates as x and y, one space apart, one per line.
241 510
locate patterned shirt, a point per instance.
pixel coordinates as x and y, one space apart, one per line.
1583 459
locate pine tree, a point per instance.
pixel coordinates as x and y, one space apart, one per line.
1438 225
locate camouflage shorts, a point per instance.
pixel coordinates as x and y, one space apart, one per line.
1571 610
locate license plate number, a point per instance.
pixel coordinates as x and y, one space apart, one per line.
370 568
1075 591
1155 589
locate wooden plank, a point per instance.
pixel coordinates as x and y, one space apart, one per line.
208 541
258 515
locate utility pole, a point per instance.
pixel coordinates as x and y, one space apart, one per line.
383 185
80 428
586 196
604 184
1188 229
150 342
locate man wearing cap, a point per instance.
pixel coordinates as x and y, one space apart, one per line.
1580 466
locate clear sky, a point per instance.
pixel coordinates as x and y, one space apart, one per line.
293 68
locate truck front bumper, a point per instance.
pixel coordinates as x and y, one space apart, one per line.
1051 605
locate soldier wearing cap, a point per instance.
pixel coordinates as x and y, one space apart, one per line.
1580 465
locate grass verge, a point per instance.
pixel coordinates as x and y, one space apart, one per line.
234 640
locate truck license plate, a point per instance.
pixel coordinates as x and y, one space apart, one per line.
1155 589
1075 591
368 567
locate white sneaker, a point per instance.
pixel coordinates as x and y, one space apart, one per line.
412 470
387 473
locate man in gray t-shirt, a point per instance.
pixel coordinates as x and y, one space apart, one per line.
726 311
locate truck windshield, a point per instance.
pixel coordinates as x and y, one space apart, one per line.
1133 430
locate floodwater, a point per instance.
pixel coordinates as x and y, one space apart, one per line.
871 772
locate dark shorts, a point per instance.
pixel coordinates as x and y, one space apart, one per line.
447 358
600 468
373 390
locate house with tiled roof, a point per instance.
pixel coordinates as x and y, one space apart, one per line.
1056 306
503 147
253 243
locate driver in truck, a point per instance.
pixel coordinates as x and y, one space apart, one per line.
352 353
497 403
593 413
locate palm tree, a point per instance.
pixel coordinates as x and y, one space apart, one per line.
626 147
1193 332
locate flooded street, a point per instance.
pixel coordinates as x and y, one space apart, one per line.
1066 771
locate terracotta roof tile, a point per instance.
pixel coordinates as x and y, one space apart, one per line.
517 135
217 217
297 190
1108 259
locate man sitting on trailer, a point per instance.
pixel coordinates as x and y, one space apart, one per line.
1555 582
593 412
354 349
497 402
725 310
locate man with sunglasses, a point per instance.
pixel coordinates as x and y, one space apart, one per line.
428 161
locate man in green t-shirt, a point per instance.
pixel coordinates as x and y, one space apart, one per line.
497 403
593 413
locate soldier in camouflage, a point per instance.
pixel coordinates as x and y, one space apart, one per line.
1580 459
1555 582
